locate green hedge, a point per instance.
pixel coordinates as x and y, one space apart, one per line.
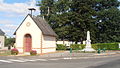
77 46
61 47
107 46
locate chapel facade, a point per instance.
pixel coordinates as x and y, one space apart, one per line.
34 33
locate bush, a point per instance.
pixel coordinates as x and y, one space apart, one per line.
77 46
61 47
14 51
94 46
108 46
33 52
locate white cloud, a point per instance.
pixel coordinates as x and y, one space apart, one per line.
10 26
17 8
6 31
5 22
9 29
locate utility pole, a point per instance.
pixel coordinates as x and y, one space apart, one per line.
48 11
32 9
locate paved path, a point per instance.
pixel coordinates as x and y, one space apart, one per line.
67 54
55 57
22 60
113 64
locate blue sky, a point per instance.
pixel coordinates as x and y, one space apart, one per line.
12 13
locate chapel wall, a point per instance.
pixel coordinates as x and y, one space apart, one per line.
31 29
49 44
2 40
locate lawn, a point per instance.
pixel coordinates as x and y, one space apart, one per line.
5 52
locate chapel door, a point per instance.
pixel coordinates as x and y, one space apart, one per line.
27 43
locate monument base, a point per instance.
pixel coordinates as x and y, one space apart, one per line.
88 49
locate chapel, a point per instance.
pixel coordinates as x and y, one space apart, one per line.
34 33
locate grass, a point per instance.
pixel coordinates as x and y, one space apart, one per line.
5 52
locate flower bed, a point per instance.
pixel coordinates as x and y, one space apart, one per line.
33 52
14 51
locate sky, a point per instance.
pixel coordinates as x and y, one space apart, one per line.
12 13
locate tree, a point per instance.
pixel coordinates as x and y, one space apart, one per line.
109 27
56 13
71 19
107 20
82 19
9 41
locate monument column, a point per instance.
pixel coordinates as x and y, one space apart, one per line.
88 43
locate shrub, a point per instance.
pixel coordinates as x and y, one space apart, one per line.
95 46
108 46
61 47
77 46
33 52
14 51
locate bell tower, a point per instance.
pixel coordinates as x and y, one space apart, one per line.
32 9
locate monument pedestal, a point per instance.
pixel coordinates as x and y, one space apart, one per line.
88 44
88 49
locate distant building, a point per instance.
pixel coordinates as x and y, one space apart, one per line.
34 33
2 39
67 43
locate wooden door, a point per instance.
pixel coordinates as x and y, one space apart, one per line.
28 43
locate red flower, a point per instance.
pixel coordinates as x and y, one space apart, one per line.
33 52
14 51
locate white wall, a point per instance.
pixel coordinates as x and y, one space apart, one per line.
2 39
67 43
49 44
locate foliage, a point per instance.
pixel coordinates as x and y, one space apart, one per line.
109 27
82 18
61 47
9 41
77 46
33 52
14 51
107 46
71 19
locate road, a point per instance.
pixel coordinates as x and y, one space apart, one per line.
36 62
112 64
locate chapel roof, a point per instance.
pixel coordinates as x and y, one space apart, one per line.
43 25
1 33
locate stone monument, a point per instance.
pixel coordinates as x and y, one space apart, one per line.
88 43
